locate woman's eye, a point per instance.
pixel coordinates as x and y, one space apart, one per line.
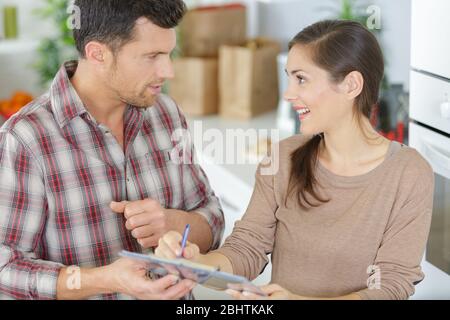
301 80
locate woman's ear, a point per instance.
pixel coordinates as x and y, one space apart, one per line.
353 84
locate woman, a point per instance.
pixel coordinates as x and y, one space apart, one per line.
348 213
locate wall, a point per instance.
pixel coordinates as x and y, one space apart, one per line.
282 19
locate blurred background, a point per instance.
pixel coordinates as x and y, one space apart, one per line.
35 40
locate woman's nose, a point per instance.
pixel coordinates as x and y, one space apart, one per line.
287 96
290 95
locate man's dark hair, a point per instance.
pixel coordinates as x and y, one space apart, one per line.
112 21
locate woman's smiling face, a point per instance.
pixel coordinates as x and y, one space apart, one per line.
320 103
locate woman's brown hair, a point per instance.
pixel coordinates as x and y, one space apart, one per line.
339 47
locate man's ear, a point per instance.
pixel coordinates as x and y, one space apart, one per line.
95 52
352 85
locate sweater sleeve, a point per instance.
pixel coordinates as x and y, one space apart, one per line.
252 238
397 265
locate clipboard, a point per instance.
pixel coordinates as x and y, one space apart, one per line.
203 274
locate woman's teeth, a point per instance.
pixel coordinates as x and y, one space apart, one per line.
303 111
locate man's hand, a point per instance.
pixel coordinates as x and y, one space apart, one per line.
146 220
129 277
126 276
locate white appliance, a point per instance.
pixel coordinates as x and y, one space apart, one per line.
430 132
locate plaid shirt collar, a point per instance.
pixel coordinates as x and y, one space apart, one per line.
66 104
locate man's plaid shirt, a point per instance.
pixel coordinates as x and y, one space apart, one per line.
59 171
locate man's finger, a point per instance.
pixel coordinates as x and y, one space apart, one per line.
142 219
118 207
149 242
179 290
133 208
139 220
160 285
144 231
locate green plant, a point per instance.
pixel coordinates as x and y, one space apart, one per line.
349 11
53 51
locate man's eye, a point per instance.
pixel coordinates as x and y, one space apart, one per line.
152 56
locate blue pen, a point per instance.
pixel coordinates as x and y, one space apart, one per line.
183 242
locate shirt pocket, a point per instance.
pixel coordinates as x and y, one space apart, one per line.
163 178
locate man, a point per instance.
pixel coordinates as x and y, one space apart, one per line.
87 170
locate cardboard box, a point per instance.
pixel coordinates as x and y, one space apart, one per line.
248 79
203 30
195 86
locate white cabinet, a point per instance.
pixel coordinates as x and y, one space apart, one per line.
430 44
429 100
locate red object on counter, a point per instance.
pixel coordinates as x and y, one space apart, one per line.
391 135
400 132
17 101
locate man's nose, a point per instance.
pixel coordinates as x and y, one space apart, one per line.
166 71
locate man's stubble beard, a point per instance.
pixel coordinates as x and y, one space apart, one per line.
139 101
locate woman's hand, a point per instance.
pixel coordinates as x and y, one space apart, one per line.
276 292
273 291
169 246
